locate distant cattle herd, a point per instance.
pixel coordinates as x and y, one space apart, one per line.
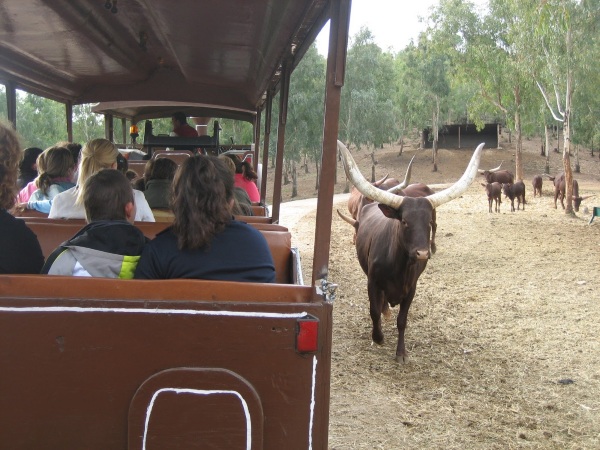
502 181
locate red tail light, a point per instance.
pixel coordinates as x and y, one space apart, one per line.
307 335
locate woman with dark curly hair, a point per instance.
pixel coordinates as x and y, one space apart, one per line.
20 251
245 177
205 242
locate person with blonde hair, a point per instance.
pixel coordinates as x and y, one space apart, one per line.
20 251
96 155
55 179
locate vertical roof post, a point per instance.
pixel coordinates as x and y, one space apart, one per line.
11 103
69 115
286 71
336 66
267 138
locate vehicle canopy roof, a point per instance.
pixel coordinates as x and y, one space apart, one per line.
79 51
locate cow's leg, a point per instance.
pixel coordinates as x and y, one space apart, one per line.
490 205
376 305
401 353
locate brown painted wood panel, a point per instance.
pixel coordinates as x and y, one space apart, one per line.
71 368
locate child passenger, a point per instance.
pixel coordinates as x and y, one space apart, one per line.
110 245
55 179
205 242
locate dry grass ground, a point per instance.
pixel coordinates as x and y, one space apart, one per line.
503 333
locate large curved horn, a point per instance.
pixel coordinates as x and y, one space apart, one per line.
492 170
344 217
402 185
363 186
378 182
439 198
586 197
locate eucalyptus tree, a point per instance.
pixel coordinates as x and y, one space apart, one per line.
305 113
565 33
484 51
426 75
368 115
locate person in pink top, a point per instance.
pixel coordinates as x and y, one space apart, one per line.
245 177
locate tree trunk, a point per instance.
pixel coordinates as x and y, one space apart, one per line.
567 143
373 164
436 114
318 174
577 166
286 173
519 137
402 146
498 133
547 135
294 180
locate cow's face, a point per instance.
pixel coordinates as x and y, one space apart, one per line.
416 219
577 203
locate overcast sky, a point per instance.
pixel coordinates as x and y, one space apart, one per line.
393 22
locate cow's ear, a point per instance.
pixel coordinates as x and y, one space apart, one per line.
388 211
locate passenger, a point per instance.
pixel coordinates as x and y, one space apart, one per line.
242 205
96 155
140 183
110 245
180 126
158 186
56 178
75 150
245 177
20 251
28 166
122 163
26 192
205 242
131 176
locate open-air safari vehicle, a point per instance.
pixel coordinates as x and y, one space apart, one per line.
91 363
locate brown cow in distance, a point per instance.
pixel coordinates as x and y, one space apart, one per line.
494 192
560 191
393 242
537 185
515 190
497 176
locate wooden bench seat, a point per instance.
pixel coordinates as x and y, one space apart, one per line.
53 232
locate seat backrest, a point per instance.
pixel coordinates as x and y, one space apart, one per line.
158 153
138 167
178 157
260 210
52 233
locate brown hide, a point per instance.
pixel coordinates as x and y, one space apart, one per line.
516 190
494 193
501 176
357 201
537 185
393 252
560 192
